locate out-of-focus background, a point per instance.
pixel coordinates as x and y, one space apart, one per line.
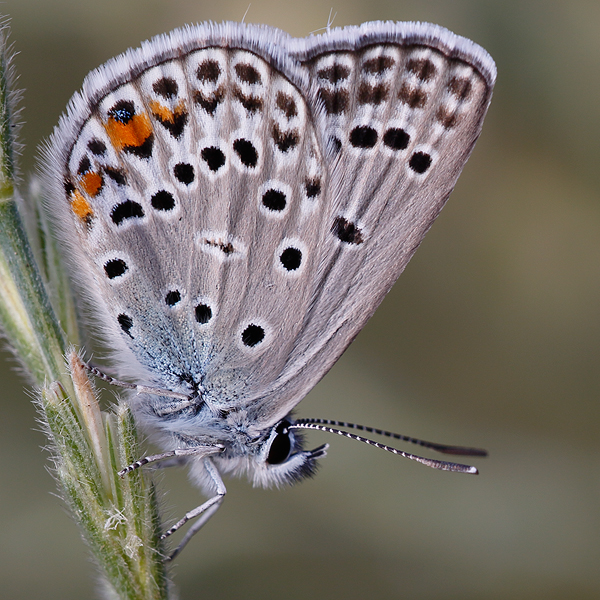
490 338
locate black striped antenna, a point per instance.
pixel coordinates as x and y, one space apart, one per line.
326 425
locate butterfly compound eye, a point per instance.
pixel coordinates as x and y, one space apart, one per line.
281 446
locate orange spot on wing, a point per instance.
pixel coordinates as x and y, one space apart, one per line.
81 207
91 183
161 112
164 114
131 134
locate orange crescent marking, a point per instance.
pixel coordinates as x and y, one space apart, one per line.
133 133
165 114
91 183
161 112
80 206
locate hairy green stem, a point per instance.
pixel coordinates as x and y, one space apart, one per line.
118 518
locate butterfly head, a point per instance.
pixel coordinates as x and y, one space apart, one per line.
276 458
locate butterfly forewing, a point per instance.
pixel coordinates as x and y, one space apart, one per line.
197 191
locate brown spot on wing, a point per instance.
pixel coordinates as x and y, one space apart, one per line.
334 73
423 68
209 102
335 102
251 103
460 87
372 94
286 104
377 65
414 97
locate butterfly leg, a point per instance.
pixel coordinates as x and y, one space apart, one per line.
204 511
179 452
185 399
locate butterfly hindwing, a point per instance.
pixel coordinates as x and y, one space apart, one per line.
399 111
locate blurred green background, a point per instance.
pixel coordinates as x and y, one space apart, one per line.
490 338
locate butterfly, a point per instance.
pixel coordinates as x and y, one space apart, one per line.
235 203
